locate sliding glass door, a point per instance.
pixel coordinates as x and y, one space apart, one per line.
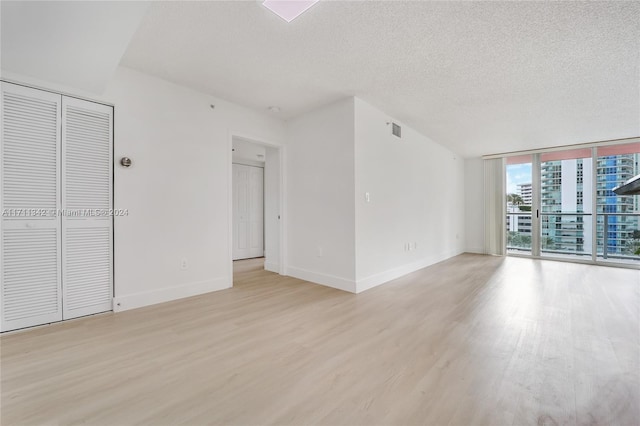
566 208
561 204
519 199
618 216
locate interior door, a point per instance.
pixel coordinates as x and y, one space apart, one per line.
30 227
248 211
87 225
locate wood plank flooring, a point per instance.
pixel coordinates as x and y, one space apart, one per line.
472 340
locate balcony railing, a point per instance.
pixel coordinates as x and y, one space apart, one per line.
615 244
561 234
617 236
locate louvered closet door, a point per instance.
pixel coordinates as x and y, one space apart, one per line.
29 185
87 225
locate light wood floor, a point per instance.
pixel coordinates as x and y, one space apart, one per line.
473 340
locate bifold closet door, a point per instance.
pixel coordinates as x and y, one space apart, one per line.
87 225
30 263
56 199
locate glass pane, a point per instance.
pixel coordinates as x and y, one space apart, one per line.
566 203
618 217
519 193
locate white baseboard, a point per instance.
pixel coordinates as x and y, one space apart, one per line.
322 279
391 274
166 294
272 267
476 250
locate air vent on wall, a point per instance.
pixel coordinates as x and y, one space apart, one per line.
396 130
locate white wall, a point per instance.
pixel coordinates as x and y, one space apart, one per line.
320 186
178 189
474 205
178 192
415 216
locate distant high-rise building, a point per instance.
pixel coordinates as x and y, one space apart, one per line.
566 189
525 192
613 171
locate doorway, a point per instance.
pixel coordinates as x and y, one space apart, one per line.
256 182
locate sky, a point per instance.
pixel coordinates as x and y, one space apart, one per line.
517 173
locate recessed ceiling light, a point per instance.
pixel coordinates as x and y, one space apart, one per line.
288 9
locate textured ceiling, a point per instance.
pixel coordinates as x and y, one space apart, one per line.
478 77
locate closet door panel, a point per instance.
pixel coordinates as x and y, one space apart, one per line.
87 279
30 198
30 290
248 211
87 226
256 188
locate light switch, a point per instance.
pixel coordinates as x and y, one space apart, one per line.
366 197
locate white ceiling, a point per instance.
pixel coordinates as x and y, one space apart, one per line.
76 44
478 77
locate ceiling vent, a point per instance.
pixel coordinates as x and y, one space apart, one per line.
396 130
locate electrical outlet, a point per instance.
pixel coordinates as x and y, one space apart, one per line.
184 264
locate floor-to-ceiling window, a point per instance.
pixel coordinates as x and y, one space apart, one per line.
618 217
519 203
566 208
561 204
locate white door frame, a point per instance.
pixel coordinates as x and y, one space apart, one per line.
281 154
